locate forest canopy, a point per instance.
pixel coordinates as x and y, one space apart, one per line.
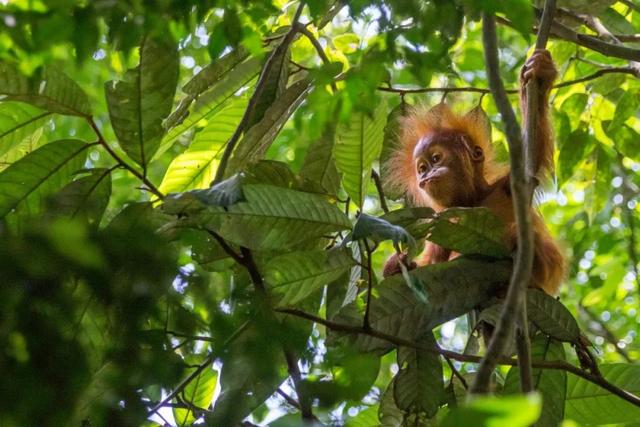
196 210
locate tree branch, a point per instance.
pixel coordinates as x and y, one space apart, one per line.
507 361
318 47
596 74
152 188
383 200
519 189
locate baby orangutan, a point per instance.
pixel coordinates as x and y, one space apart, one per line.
445 160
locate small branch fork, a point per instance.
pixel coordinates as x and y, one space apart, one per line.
149 185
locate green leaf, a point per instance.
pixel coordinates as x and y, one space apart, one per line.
18 121
319 164
259 137
551 316
368 226
574 106
196 167
589 404
419 384
275 218
357 146
452 289
274 83
187 118
85 198
516 411
572 153
625 108
627 140
214 72
469 231
388 412
47 88
139 103
295 276
199 393
414 220
551 383
520 13
365 418
25 184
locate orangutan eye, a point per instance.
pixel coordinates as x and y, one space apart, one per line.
422 168
435 158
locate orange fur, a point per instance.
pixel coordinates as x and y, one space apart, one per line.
489 182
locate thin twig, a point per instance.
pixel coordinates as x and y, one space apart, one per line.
290 400
253 102
456 373
121 161
596 74
318 47
207 363
543 364
383 200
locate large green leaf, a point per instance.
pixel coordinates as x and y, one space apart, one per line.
188 117
139 103
271 217
357 146
17 122
469 231
214 72
85 198
388 412
25 184
195 168
199 393
319 164
295 276
419 384
625 108
551 383
414 220
47 88
512 411
551 316
273 83
451 288
572 152
589 404
259 137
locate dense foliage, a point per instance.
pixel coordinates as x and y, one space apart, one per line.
194 215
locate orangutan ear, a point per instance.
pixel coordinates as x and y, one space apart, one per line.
480 119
